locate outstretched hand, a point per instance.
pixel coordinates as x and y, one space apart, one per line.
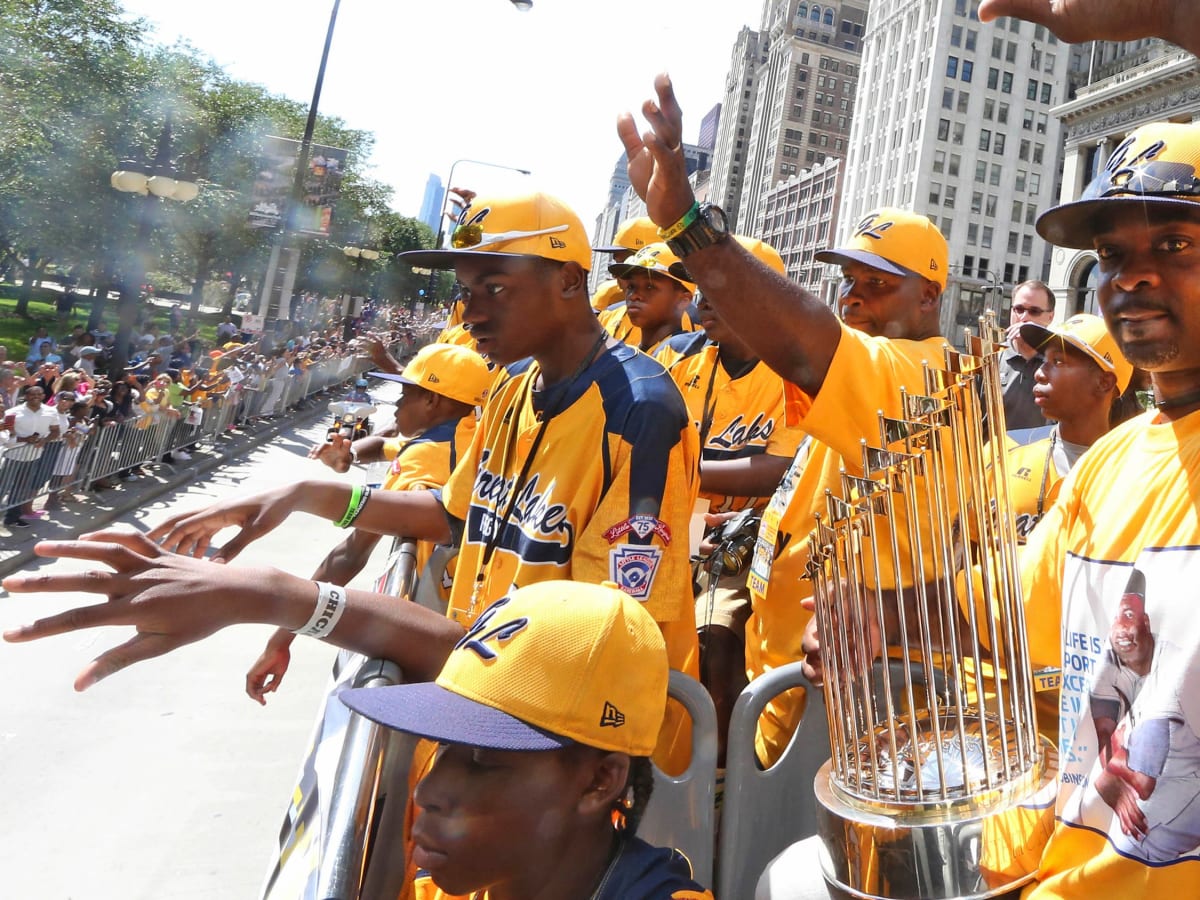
657 168
1082 20
268 670
191 533
171 600
334 453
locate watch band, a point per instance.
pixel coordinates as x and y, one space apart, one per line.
705 230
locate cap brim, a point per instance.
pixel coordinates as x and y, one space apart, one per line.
388 376
431 711
1038 336
1073 225
612 248
448 259
841 257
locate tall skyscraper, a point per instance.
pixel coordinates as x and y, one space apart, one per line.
708 129
1114 88
431 205
953 120
729 153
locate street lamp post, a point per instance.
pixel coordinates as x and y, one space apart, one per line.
441 235
156 182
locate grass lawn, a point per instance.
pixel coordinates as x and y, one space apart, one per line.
15 331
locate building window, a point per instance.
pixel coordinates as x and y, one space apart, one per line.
943 129
997 48
989 108
998 144
1014 240
1038 152
1027 120
1031 214
1041 123
952 67
980 173
1010 52
977 202
1035 183
1027 245
972 36
1023 150
985 139
1045 98
994 176
959 132
950 196
954 162
990 209
1016 211
972 233
993 81
964 100
1002 114
968 68
1006 81
956 33
935 193
985 237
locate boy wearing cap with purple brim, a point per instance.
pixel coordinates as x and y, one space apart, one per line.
545 715
444 386
656 298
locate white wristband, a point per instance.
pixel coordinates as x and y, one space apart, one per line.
331 603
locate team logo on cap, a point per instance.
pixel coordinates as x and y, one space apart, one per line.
868 227
633 568
611 717
481 632
557 244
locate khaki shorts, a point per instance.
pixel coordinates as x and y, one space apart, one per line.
730 603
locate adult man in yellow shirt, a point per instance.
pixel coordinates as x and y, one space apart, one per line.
841 368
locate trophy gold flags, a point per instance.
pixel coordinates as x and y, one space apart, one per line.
939 785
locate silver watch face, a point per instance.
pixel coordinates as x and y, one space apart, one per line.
716 218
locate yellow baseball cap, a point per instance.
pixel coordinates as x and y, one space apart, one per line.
607 293
655 257
451 370
896 241
550 665
526 225
1157 164
632 234
763 252
1088 334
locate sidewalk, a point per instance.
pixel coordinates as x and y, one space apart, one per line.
101 508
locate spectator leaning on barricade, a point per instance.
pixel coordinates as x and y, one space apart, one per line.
435 416
27 427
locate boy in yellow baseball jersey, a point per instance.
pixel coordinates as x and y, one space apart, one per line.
444 386
656 298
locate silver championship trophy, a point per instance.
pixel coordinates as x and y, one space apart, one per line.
939 785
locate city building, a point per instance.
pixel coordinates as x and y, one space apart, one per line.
431 205
799 219
1115 88
729 153
953 120
708 129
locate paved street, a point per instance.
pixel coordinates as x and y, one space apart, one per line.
164 781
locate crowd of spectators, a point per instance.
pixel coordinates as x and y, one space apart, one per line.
62 397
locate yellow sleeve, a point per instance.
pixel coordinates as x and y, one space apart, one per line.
1042 579
456 495
423 465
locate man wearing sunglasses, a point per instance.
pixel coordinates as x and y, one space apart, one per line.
1032 304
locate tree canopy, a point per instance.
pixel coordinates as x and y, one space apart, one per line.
82 88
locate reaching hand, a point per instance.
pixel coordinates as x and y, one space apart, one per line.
657 168
334 453
1123 800
254 516
268 670
812 665
1082 20
1018 343
170 599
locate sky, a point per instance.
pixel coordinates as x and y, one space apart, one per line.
442 80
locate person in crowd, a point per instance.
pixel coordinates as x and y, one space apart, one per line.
43 352
443 387
1032 302
656 298
77 428
604 475
1077 387
541 797
28 427
359 393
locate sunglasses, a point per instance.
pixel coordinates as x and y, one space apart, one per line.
473 235
1029 310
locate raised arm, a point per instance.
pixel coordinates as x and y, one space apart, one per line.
792 331
1114 20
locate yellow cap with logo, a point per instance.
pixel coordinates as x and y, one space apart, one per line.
451 370
1156 166
895 241
655 257
632 235
763 252
1087 334
550 665
526 225
606 294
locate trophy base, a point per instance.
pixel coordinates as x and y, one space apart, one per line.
961 849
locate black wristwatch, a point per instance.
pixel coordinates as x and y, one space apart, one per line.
709 227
